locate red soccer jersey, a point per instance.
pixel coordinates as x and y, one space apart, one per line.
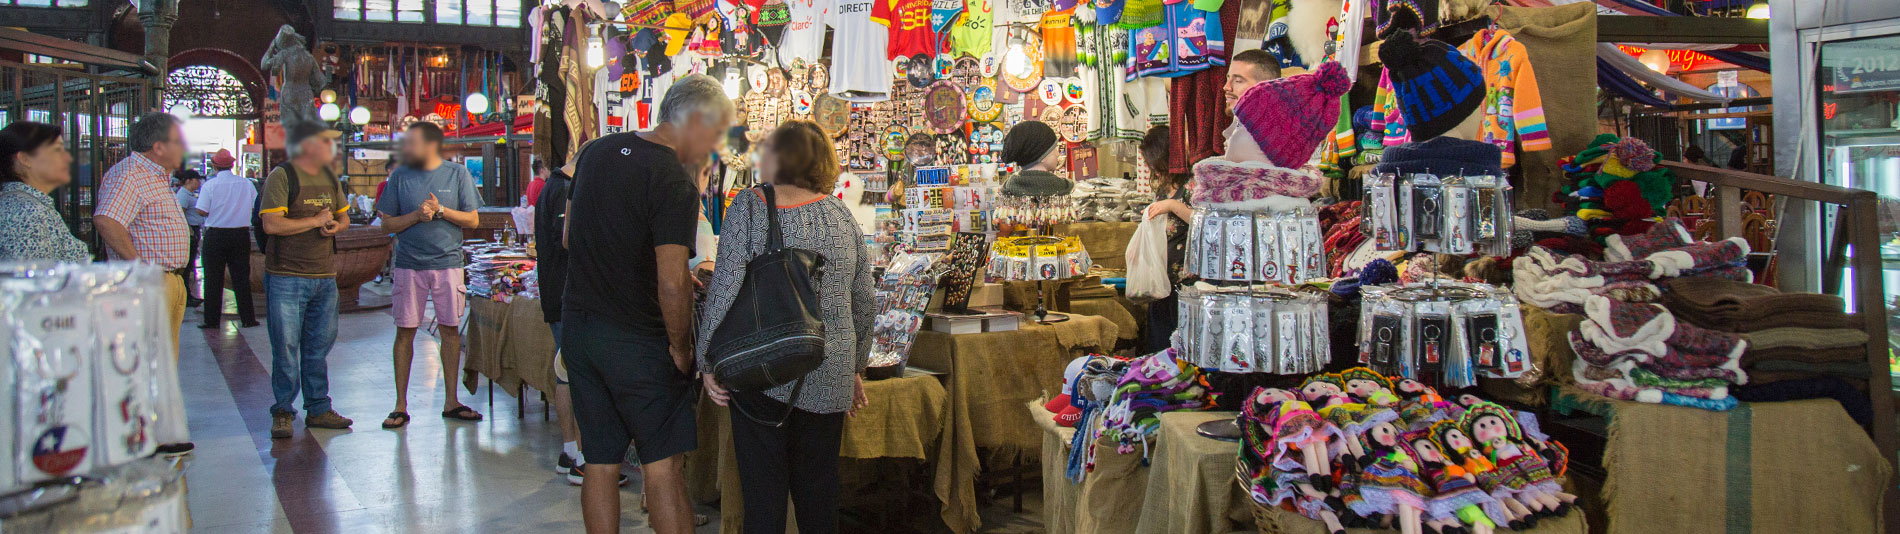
909 21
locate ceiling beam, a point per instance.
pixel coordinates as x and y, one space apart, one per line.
74 51
1695 30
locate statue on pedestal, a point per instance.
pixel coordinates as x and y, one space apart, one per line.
289 62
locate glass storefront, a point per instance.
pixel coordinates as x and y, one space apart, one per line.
1860 139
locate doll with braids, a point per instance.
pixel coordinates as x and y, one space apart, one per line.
1520 470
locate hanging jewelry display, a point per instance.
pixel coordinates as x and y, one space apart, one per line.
902 295
1443 214
1443 334
1254 246
966 260
1260 329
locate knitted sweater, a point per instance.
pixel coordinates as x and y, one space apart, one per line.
1513 109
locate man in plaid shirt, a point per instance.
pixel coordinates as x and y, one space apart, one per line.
137 215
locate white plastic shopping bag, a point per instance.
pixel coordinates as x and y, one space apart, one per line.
1147 256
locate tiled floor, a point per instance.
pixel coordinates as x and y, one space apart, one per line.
433 476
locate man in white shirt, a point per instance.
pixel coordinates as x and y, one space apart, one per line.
226 202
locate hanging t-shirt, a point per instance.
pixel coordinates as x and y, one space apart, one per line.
909 27
805 32
860 70
972 34
1058 44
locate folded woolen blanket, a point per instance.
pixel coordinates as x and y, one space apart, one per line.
1805 338
1666 235
1698 257
1837 354
1734 306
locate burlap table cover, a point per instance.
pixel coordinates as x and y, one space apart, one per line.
1105 241
508 342
992 374
1191 485
1770 467
1107 501
906 418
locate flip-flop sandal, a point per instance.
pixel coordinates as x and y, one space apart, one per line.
402 420
463 413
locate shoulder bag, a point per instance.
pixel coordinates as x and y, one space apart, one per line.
774 334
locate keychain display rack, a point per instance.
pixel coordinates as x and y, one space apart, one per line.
1017 215
94 382
1443 214
902 295
1255 329
1256 246
1442 334
1039 259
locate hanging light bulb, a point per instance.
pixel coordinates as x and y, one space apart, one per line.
329 112
1016 61
329 95
359 115
596 53
1656 59
476 103
1758 10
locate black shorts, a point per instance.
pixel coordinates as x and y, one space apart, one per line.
625 387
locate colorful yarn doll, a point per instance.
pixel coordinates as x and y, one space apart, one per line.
1460 451
1520 470
1296 427
1369 386
1388 479
1420 405
1327 391
1457 493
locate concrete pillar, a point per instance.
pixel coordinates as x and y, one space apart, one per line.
157 16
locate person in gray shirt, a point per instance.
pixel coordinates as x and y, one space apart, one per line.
427 203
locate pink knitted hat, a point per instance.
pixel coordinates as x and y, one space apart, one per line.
1289 117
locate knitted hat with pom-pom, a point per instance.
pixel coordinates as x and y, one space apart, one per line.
1437 87
1289 117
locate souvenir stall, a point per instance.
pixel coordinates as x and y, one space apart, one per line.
1417 280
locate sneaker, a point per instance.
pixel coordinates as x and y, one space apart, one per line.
280 425
575 476
171 450
329 419
563 463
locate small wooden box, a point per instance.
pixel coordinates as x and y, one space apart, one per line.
990 320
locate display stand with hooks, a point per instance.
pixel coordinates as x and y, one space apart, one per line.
1043 315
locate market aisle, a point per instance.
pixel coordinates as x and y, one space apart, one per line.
433 476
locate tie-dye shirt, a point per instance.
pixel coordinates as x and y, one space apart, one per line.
1513 108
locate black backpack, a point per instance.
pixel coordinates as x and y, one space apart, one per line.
774 333
257 204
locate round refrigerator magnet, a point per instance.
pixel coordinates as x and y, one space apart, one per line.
801 102
1075 124
1072 90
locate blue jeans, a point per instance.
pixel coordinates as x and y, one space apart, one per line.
303 319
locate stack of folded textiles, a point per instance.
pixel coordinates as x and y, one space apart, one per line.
1152 385
1790 335
1640 352
1563 284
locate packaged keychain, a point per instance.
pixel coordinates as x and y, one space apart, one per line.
1382 212
52 338
1240 248
1432 343
1290 251
1263 336
1428 216
1267 241
1238 334
124 396
1457 235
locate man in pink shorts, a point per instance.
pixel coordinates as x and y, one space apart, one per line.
426 203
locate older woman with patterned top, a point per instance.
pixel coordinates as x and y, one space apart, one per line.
34 162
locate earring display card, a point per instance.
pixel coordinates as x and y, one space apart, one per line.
966 258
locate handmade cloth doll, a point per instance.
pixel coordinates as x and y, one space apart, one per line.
1456 492
1520 470
1420 405
1369 386
1460 451
1388 480
1275 423
1296 428
1327 391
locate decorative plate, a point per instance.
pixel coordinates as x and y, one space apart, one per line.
1075 124
774 82
820 78
1032 75
1051 115
894 139
801 102
966 72
989 65
832 114
1072 90
1050 92
983 105
755 76
942 65
921 73
944 107
796 77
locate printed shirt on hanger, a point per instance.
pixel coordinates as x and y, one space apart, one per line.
972 34
858 62
909 23
805 34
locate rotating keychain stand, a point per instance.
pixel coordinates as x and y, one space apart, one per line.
1043 315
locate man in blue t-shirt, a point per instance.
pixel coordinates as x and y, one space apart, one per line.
426 203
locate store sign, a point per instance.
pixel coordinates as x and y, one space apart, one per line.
1872 72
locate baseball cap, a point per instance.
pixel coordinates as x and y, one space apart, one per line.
305 130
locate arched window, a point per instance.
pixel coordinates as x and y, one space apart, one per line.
208 92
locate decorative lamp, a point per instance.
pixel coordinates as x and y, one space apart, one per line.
1759 10
476 103
359 115
1656 59
329 112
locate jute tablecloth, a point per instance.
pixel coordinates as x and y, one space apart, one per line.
992 374
1799 466
1192 487
1105 241
907 418
1107 501
508 342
